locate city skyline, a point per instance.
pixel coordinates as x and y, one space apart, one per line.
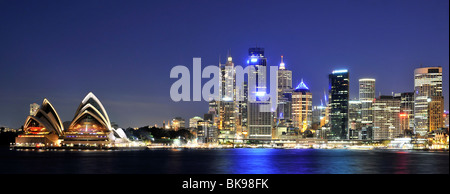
131 75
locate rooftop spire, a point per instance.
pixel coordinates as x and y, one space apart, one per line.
229 55
282 66
302 86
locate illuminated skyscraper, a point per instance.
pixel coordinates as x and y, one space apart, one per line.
227 106
366 96
339 97
206 132
257 79
428 99
228 77
354 118
386 113
260 116
446 118
260 120
302 107
406 111
284 79
284 94
435 113
327 108
213 108
241 117
319 113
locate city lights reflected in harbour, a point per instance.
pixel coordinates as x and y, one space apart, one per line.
228 161
239 133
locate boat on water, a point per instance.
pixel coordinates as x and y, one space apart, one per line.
361 147
400 144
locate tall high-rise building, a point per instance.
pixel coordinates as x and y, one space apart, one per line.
284 79
260 116
366 97
206 132
354 118
227 106
302 107
406 110
436 113
241 105
428 99
260 120
213 108
284 103
386 114
319 114
227 80
339 97
33 108
446 119
327 108
257 85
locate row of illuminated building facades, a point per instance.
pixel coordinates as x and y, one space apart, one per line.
243 112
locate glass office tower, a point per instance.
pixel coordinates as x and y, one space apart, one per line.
366 96
339 98
428 99
260 118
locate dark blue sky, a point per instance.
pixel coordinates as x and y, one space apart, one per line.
123 51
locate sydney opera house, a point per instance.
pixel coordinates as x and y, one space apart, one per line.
90 127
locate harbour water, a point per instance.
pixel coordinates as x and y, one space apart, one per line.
224 161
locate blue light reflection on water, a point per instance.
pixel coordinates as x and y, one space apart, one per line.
226 161
271 161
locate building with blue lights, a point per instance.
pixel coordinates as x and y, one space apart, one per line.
260 115
339 101
284 104
302 107
257 79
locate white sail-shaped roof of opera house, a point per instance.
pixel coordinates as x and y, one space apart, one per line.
92 106
90 126
43 127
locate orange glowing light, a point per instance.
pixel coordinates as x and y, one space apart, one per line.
36 129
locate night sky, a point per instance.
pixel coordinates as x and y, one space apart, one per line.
123 51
